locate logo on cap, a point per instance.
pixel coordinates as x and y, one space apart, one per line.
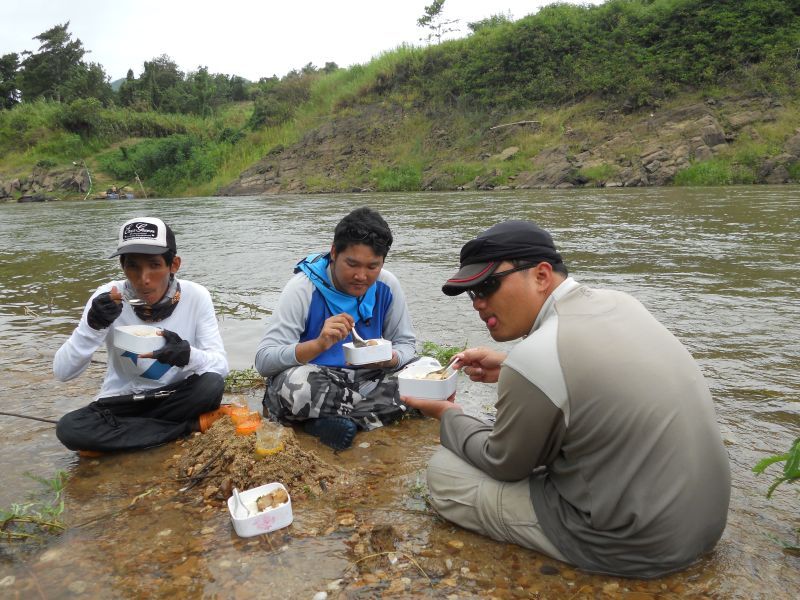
139 231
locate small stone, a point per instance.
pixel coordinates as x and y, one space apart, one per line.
51 555
7 581
347 520
548 570
610 588
77 587
321 596
206 530
450 582
457 544
396 586
225 564
164 533
335 585
364 445
448 563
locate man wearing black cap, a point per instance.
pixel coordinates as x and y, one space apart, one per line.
150 398
605 452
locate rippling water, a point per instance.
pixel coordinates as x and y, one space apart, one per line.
718 266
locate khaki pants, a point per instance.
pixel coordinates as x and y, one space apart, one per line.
498 509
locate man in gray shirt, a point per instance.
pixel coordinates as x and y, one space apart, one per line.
605 452
331 295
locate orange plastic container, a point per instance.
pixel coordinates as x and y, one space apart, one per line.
249 425
240 414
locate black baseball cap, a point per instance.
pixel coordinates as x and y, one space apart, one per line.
508 240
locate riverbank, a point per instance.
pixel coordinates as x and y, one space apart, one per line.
694 139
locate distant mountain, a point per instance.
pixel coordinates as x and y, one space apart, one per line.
115 85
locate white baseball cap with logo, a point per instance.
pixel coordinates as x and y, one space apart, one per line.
145 235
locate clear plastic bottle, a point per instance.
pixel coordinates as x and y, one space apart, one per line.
269 438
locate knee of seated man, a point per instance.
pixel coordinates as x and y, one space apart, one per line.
67 431
214 383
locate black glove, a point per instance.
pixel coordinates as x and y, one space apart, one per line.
175 352
103 311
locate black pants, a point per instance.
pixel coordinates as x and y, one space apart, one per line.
111 424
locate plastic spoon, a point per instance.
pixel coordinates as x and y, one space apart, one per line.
134 301
240 505
445 369
358 341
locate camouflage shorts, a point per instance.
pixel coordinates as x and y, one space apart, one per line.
369 397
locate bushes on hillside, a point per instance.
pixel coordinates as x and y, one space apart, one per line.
634 50
180 160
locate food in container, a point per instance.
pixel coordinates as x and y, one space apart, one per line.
272 499
376 350
138 339
414 382
275 511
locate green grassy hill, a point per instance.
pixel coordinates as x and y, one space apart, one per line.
632 92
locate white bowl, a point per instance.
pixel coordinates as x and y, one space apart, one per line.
264 521
412 384
366 355
138 338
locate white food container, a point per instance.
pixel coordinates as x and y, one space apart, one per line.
368 354
260 522
431 389
138 338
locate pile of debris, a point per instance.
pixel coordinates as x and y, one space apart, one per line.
219 460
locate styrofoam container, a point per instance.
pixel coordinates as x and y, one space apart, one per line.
431 389
138 338
368 354
264 521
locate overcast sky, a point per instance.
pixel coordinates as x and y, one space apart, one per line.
253 38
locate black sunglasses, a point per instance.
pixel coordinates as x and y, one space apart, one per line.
491 284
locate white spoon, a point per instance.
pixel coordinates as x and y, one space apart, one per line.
240 505
358 341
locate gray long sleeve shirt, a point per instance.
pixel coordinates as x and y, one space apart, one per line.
276 351
615 418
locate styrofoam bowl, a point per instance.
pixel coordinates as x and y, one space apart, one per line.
412 385
264 521
138 338
366 355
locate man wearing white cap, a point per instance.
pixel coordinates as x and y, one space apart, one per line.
150 398
605 452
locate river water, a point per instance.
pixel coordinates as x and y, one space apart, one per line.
717 266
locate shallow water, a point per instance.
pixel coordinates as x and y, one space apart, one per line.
717 266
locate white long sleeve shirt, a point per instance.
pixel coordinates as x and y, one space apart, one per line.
193 319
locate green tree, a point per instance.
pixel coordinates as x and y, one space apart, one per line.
489 22
9 95
88 81
127 90
238 88
45 73
435 21
202 89
156 86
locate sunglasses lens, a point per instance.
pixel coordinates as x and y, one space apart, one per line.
484 289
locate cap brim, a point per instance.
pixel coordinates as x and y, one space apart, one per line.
468 276
139 249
